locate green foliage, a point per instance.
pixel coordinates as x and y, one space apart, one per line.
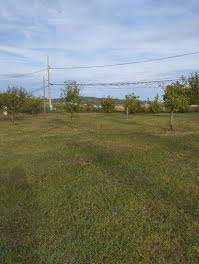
33 104
177 96
155 106
71 108
89 108
14 100
71 97
193 82
132 103
108 104
1 101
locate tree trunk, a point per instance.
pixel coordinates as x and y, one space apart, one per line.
127 112
171 121
71 116
12 117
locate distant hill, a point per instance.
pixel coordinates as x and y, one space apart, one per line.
90 100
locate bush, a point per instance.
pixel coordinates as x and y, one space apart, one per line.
132 103
108 104
33 104
155 106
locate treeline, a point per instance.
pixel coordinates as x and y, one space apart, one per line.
16 100
177 97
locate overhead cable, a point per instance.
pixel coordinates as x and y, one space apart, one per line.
21 75
126 63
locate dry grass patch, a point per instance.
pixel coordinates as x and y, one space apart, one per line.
64 128
166 132
77 160
117 147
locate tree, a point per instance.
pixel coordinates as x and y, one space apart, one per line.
155 106
34 104
176 96
14 100
131 102
108 104
193 83
1 101
71 97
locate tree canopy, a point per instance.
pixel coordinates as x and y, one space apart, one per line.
176 96
131 101
155 106
108 104
14 100
33 104
193 83
71 97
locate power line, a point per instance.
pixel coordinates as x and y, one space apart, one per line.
119 88
126 63
36 90
120 83
22 75
99 66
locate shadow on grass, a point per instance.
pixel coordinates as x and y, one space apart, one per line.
17 217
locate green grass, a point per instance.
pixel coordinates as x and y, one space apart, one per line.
104 190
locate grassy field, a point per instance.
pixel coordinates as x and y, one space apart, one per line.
102 190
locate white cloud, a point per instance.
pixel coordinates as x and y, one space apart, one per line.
98 32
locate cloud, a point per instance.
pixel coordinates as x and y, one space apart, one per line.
98 32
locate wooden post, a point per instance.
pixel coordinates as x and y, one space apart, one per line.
127 112
49 86
171 120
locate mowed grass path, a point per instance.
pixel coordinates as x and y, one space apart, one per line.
102 190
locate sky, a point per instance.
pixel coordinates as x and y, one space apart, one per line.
97 32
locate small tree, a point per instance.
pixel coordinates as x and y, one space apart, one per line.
155 106
14 100
34 104
131 102
108 104
71 97
176 97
